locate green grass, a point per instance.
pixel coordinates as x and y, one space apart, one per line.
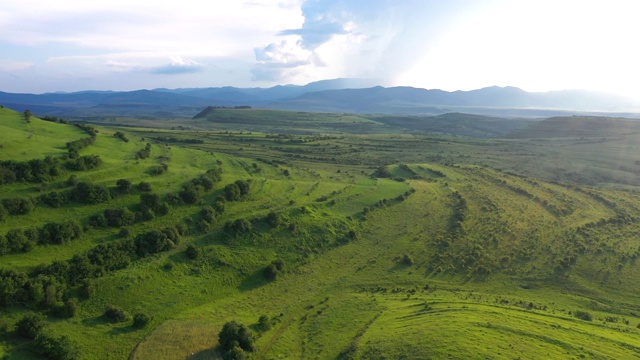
484 243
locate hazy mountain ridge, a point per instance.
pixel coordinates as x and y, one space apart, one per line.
337 95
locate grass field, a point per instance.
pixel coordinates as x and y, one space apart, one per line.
396 245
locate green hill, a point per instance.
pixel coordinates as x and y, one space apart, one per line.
324 246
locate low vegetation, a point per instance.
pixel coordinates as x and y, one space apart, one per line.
349 244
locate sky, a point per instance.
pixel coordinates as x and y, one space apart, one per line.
536 45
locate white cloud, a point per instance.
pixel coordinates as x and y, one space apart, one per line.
178 65
12 66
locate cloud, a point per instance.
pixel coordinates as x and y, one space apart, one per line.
281 60
178 65
11 66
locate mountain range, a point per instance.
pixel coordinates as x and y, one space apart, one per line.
337 95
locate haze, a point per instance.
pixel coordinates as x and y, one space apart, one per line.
453 45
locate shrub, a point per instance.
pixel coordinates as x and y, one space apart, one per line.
232 192
88 289
583 315
192 252
406 260
61 348
124 186
30 325
238 226
115 314
144 186
124 232
234 339
273 219
140 320
88 193
208 214
264 323
68 310
271 272
18 206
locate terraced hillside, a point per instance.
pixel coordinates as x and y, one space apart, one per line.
143 243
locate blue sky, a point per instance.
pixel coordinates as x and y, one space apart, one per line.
71 45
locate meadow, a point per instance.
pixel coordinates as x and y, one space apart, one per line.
355 239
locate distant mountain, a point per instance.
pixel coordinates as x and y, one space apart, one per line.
336 95
486 100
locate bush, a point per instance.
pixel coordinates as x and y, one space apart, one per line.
140 320
238 226
124 186
124 232
30 325
192 252
115 314
583 315
68 310
144 186
88 193
406 260
61 348
18 206
208 214
271 272
234 339
232 192
88 289
273 219
264 323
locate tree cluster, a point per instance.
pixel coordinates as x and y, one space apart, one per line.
234 340
33 171
18 206
23 240
144 153
74 147
87 193
121 136
235 191
86 162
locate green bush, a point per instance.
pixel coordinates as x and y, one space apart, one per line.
115 314
61 348
192 252
234 339
30 325
140 320
583 315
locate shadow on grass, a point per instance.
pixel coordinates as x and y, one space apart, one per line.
124 329
399 266
208 354
253 281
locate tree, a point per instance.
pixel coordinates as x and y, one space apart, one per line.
264 323
61 348
140 320
192 252
232 192
244 187
115 314
144 186
273 219
124 186
30 325
27 115
233 336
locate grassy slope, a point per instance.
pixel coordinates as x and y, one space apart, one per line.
356 300
494 278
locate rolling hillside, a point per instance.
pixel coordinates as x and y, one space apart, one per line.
328 246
